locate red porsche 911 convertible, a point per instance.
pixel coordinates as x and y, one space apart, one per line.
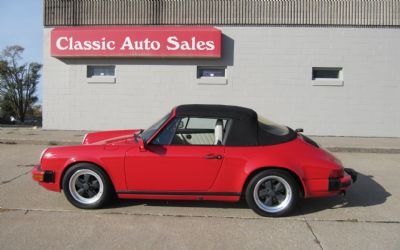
196 152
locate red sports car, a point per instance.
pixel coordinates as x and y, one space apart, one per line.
196 152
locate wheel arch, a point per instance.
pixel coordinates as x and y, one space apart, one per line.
88 162
289 171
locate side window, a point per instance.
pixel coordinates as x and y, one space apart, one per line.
192 131
201 123
200 131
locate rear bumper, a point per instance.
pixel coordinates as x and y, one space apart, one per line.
40 175
352 173
338 184
331 186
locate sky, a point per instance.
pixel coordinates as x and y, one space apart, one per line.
21 23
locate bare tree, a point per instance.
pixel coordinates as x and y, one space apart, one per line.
18 82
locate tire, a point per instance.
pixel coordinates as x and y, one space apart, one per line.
87 186
268 198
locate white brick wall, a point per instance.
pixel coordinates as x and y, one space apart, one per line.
269 70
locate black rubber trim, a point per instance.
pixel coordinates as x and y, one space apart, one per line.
335 184
345 184
179 193
352 173
194 131
48 176
310 141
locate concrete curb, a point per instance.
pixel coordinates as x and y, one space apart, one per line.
39 142
331 149
364 150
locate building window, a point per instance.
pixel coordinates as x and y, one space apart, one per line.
330 76
212 75
210 72
100 74
100 71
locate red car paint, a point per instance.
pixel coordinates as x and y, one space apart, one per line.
182 172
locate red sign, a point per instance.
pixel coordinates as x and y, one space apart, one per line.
152 41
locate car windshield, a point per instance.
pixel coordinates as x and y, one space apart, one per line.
148 133
272 127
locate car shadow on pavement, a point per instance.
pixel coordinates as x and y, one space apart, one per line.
177 203
365 192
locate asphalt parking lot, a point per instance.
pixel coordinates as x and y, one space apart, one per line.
32 217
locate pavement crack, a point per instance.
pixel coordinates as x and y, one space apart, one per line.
2 210
26 165
303 218
8 142
316 240
357 221
14 178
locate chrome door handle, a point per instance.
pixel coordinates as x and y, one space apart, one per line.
210 157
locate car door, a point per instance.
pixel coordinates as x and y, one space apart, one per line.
173 161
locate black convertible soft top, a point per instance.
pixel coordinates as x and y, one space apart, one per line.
207 110
242 129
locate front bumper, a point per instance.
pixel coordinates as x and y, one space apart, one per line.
337 184
40 175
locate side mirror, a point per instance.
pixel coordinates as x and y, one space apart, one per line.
299 130
142 145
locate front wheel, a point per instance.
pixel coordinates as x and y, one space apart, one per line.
86 186
272 193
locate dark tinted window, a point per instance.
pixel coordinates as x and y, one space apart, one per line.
272 127
148 133
326 73
210 72
165 137
270 133
100 70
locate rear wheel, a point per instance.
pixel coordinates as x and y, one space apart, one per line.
272 193
86 186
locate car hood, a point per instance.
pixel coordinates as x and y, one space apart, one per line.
110 137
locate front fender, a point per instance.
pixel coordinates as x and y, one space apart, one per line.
59 159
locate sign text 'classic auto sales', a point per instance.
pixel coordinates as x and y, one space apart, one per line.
136 42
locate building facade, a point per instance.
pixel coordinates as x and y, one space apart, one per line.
330 67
